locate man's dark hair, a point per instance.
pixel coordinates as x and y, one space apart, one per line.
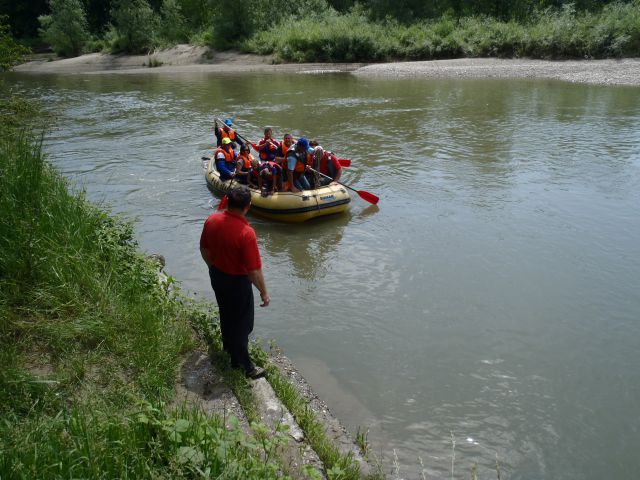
239 197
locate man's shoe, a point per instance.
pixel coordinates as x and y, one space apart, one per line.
257 372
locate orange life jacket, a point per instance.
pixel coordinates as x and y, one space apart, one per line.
284 149
224 134
246 161
228 155
268 153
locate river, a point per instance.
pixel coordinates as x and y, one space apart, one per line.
488 308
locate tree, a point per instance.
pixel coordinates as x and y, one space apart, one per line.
135 25
172 27
23 16
10 52
66 29
236 20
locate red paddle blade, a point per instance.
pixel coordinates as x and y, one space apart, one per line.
223 203
369 197
344 162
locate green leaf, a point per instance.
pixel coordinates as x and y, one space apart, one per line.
182 425
190 455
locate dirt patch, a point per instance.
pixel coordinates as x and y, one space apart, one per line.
600 72
203 386
179 59
191 58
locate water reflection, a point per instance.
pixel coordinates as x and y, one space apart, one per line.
507 229
307 249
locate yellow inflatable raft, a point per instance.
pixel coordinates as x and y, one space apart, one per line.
287 206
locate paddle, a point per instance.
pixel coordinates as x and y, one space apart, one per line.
344 162
369 197
225 199
241 137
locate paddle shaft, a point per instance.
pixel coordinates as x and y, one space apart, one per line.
241 137
369 197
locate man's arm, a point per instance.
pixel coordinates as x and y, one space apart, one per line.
216 131
205 256
337 166
291 160
257 279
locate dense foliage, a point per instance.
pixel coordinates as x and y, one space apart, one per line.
339 30
90 341
66 28
11 52
566 33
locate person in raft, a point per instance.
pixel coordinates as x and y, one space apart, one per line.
225 159
229 247
268 146
296 165
243 164
326 163
270 178
226 132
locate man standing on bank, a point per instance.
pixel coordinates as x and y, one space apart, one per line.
230 249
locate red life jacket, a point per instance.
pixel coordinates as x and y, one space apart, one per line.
274 166
269 152
324 163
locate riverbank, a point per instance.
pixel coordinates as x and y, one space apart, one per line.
189 59
104 368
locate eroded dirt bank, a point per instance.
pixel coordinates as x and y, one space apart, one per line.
190 58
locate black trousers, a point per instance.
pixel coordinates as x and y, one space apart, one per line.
234 294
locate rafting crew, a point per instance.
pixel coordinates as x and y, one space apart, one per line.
283 166
296 165
226 132
326 163
268 146
244 163
269 178
225 159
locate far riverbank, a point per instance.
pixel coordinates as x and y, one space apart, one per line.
189 59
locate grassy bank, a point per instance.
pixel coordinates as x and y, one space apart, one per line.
550 34
89 341
338 30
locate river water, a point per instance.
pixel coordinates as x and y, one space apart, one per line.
487 309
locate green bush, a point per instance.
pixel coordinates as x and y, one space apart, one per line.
552 33
66 29
172 23
134 26
236 20
11 53
327 38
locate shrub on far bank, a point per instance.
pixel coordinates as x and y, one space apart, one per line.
66 29
565 33
134 26
326 38
11 53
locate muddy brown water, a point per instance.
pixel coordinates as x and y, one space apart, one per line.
491 298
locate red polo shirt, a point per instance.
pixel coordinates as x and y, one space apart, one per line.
231 242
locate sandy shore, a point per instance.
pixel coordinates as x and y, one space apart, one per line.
189 58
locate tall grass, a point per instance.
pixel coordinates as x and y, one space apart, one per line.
90 342
552 33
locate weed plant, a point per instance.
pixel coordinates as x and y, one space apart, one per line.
90 342
613 31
